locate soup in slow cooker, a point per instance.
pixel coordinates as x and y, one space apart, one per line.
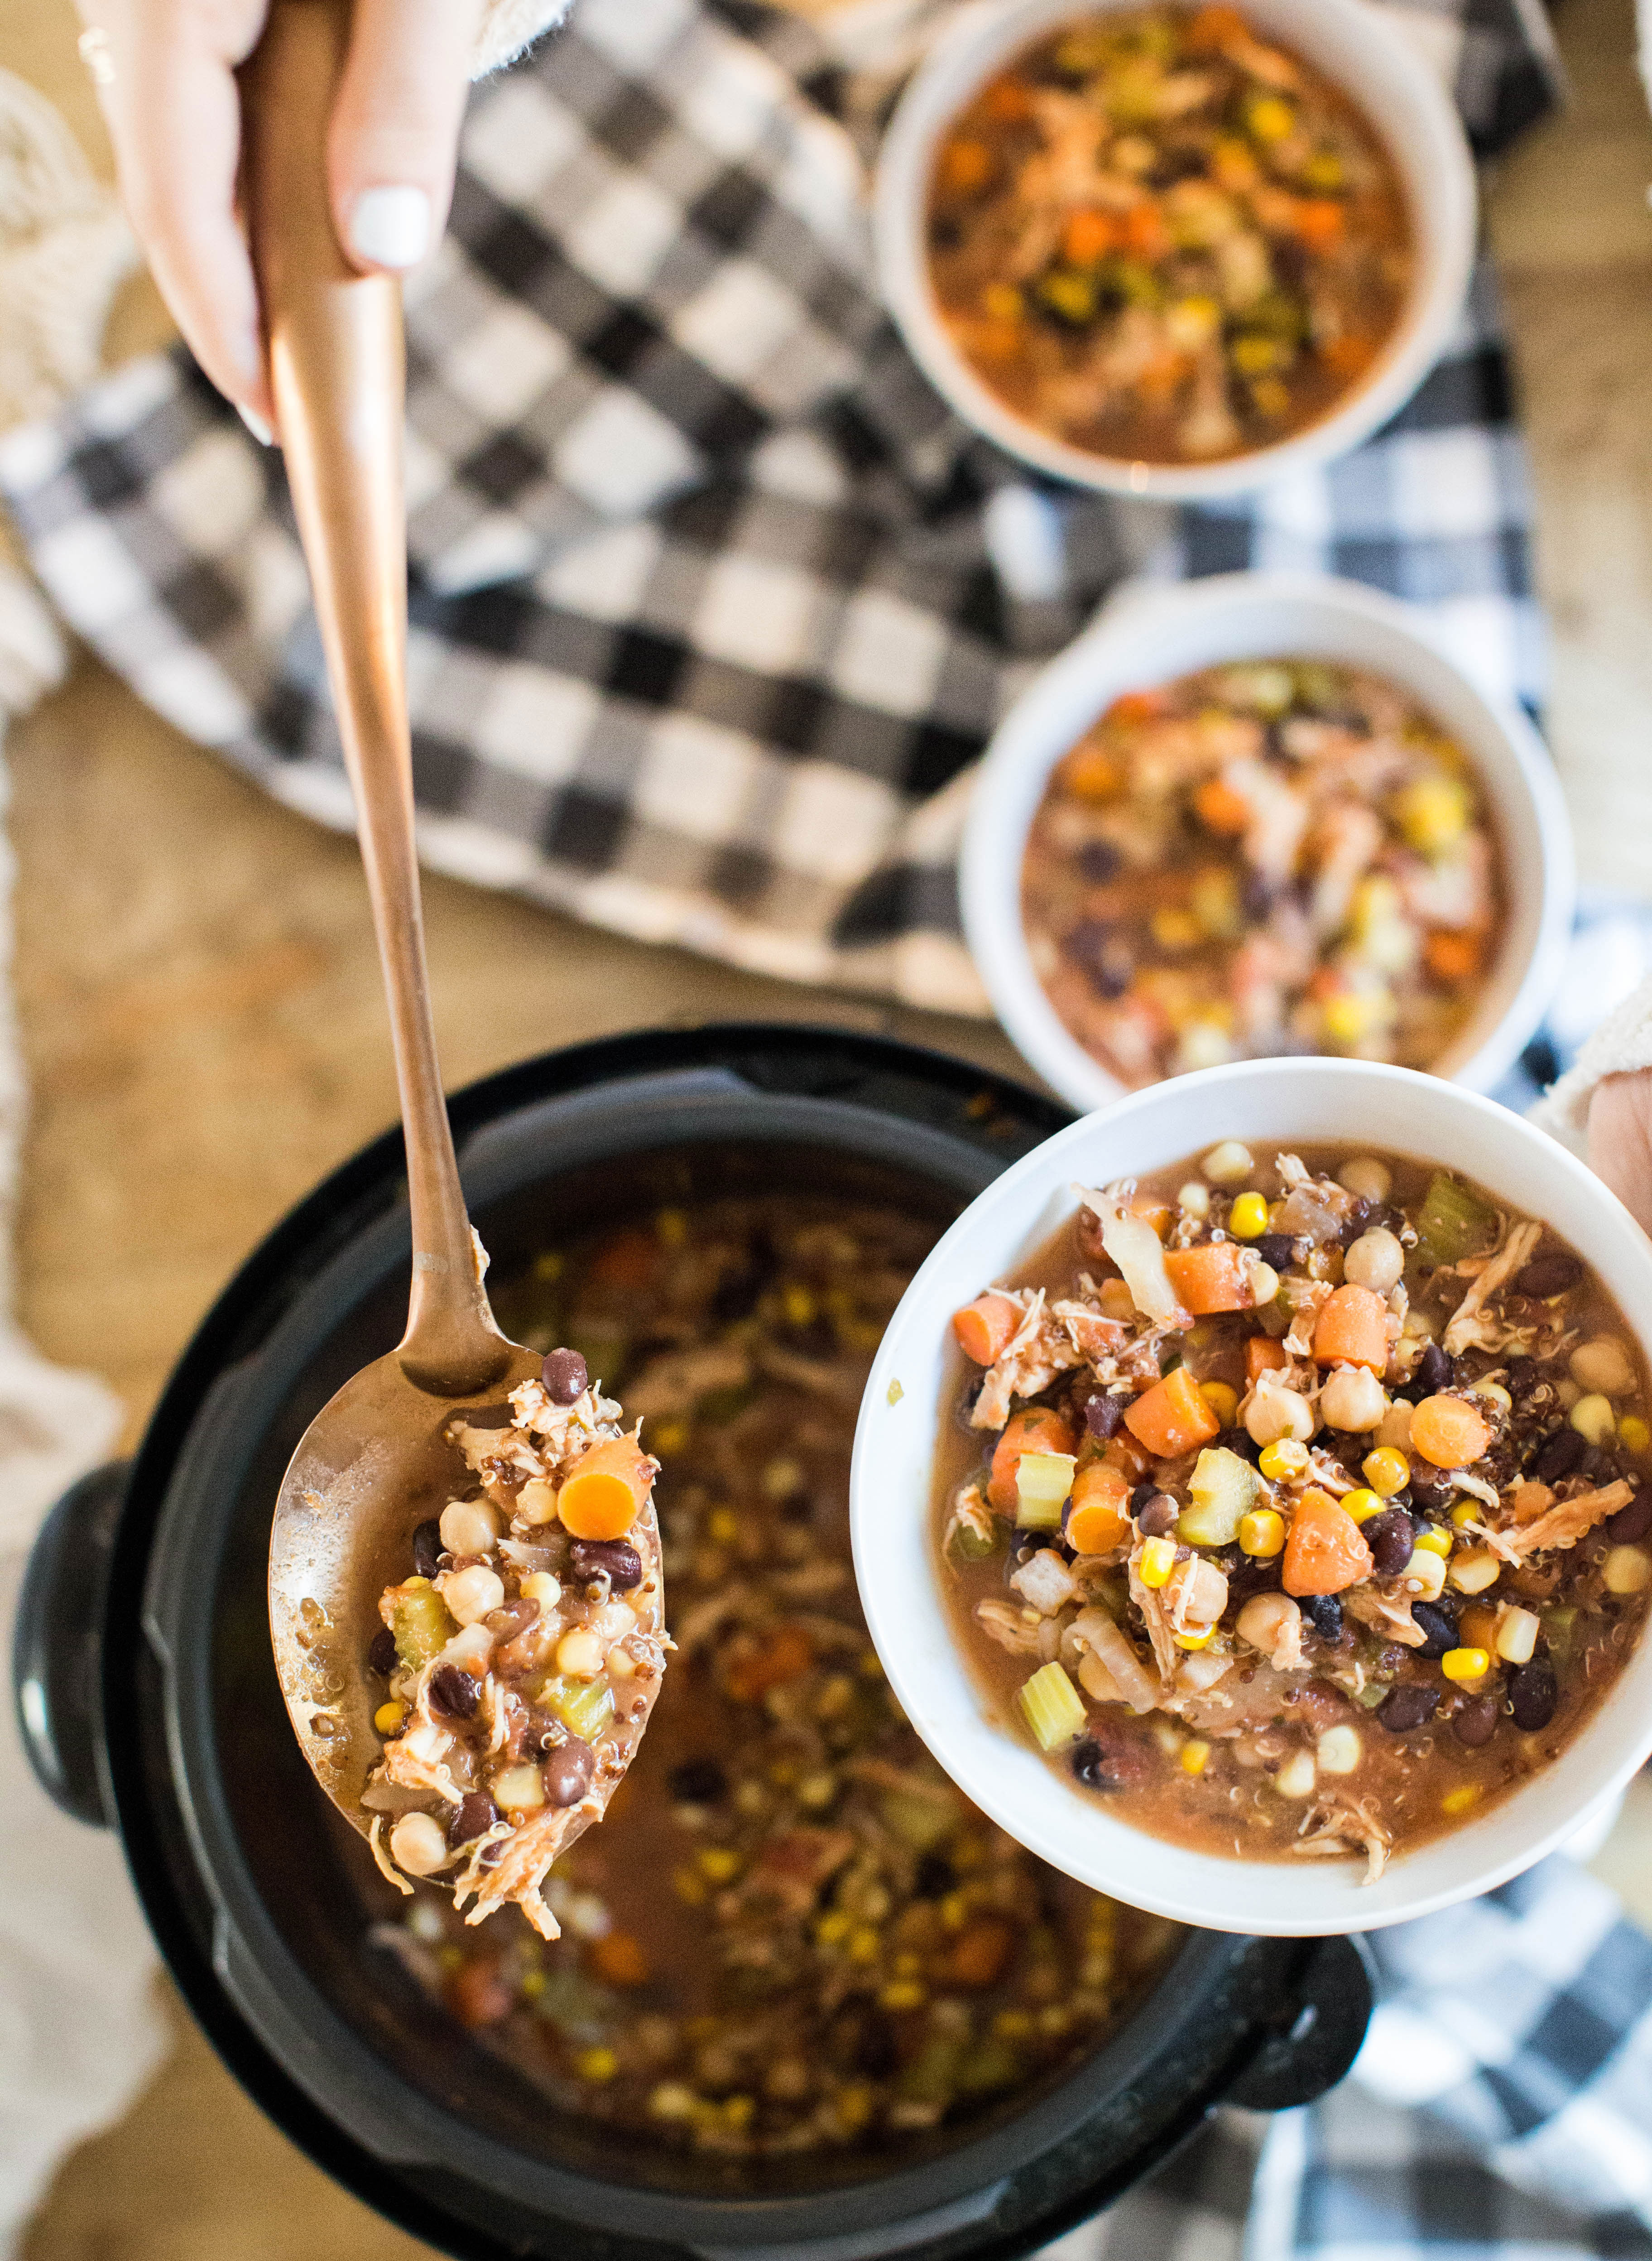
1298 1504
791 1933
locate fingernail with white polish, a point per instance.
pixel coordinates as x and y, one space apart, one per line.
390 227
257 426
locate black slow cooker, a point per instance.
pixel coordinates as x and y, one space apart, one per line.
148 1700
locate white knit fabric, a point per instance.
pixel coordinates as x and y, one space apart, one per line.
508 26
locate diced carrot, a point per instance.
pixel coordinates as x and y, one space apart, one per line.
478 1994
1172 1418
1319 222
1325 1553
1214 27
1448 1433
1349 356
1477 1626
1130 1458
1091 774
986 1325
1212 1277
1453 954
1220 810
979 1954
966 166
1262 1355
786 1656
1008 101
1145 233
1150 1207
607 1491
1088 236
619 1957
628 1260
1037 1430
1137 706
1352 1330
1098 1514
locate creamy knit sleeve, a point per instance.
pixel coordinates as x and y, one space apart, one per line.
508 26
1621 1044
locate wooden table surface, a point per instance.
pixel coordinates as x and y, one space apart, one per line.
205 1034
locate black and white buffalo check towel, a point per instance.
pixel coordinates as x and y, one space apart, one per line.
713 603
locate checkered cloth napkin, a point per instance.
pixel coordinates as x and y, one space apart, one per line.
1501 2109
712 602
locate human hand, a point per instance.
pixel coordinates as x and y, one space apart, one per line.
1620 1140
165 75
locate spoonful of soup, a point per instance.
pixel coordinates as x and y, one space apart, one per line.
465 1597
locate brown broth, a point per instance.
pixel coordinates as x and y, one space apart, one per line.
1417 1783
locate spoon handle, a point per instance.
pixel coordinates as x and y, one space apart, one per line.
338 375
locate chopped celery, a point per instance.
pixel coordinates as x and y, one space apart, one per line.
1373 1693
1224 1489
1053 1708
932 2074
584 1706
992 2064
1560 1625
1043 1481
969 1544
421 1623
1453 1221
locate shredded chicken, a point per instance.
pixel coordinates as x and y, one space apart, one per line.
1138 1252
1566 1522
1470 1324
1386 1613
1039 1349
1045 1582
1005 1623
1165 1653
1335 1826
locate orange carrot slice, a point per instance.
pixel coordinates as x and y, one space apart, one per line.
607 1491
1262 1355
1037 1430
1352 1330
1448 1433
1325 1553
985 1326
966 166
1099 1515
1452 955
1209 1278
1220 810
1088 236
1172 1418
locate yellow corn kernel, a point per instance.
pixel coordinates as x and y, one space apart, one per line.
1270 119
1196 1639
598 2063
389 1717
1362 1506
1354 1015
1386 1470
832 1926
1431 1540
1626 1570
1465 1664
1174 929
719 1864
1284 1459
1424 1576
671 1228
1459 1800
667 1437
1195 1756
854 2107
1222 1400
1474 1570
903 1994
863 1943
723 1525
1158 1560
1004 302
1263 1533
1247 1219
1465 1513
1593 1419
1012 2025
1434 814
798 1305
1633 1434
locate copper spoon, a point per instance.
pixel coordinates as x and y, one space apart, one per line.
375 1462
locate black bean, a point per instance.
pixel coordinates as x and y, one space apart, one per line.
590 1557
1241 1444
1140 1497
1098 861
476 1815
1439 1625
1554 1274
1559 1456
1533 1693
877 2047
933 1877
1520 1375
515 1616
427 1548
1475 1722
1259 1577
454 1694
1101 957
1277 1249
698 1782
1428 1487
568 1770
1090 1766
1433 1372
1103 1415
1407 1706
1158 1516
1632 1522
381 1650
1391 1538
566 1377
1324 1613
1354 1223
1257 897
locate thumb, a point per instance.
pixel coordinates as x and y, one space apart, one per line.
395 128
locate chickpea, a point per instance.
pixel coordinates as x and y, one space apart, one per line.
419 1844
580 1653
1352 1399
1365 1175
1604 1367
536 1502
1275 1411
1264 1618
1230 1164
472 1594
1376 1260
1195 1200
469 1526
